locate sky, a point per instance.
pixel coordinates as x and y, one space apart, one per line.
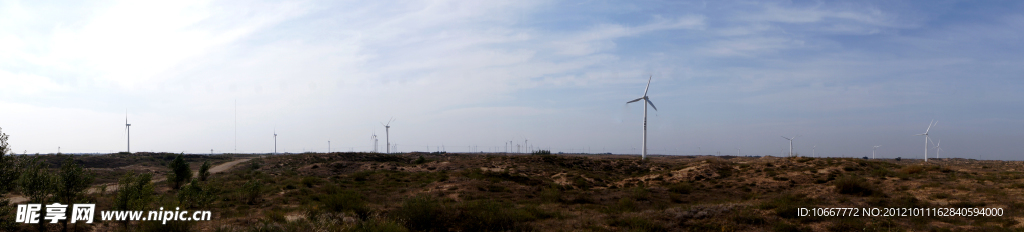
728 77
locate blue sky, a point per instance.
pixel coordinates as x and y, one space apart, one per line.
841 75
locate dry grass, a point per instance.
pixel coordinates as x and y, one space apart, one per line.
491 192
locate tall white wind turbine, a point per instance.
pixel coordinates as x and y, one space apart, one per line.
790 144
873 151
128 128
937 148
275 141
647 101
933 123
387 133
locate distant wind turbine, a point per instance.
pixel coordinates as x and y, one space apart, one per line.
128 128
937 148
374 138
933 123
790 144
387 133
643 152
873 151
275 141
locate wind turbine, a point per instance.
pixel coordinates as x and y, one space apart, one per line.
813 152
643 152
790 144
937 148
933 123
387 133
374 138
873 151
275 141
128 128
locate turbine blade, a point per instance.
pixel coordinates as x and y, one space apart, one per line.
649 102
634 100
929 127
648 84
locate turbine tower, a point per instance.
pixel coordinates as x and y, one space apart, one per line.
937 148
643 152
374 138
387 134
933 123
275 141
873 151
128 128
790 144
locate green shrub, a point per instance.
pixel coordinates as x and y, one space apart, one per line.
194 196
786 206
941 195
636 224
625 204
346 201
310 181
379 224
252 191
853 185
641 194
681 188
489 215
911 170
424 213
551 194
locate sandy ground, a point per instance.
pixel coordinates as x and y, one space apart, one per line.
112 187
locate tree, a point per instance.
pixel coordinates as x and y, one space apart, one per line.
72 181
134 192
8 175
8 167
194 196
204 171
180 172
37 183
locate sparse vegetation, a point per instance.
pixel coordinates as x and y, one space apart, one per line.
460 192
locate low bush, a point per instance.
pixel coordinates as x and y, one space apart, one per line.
310 181
636 224
424 213
346 201
853 185
681 188
787 206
